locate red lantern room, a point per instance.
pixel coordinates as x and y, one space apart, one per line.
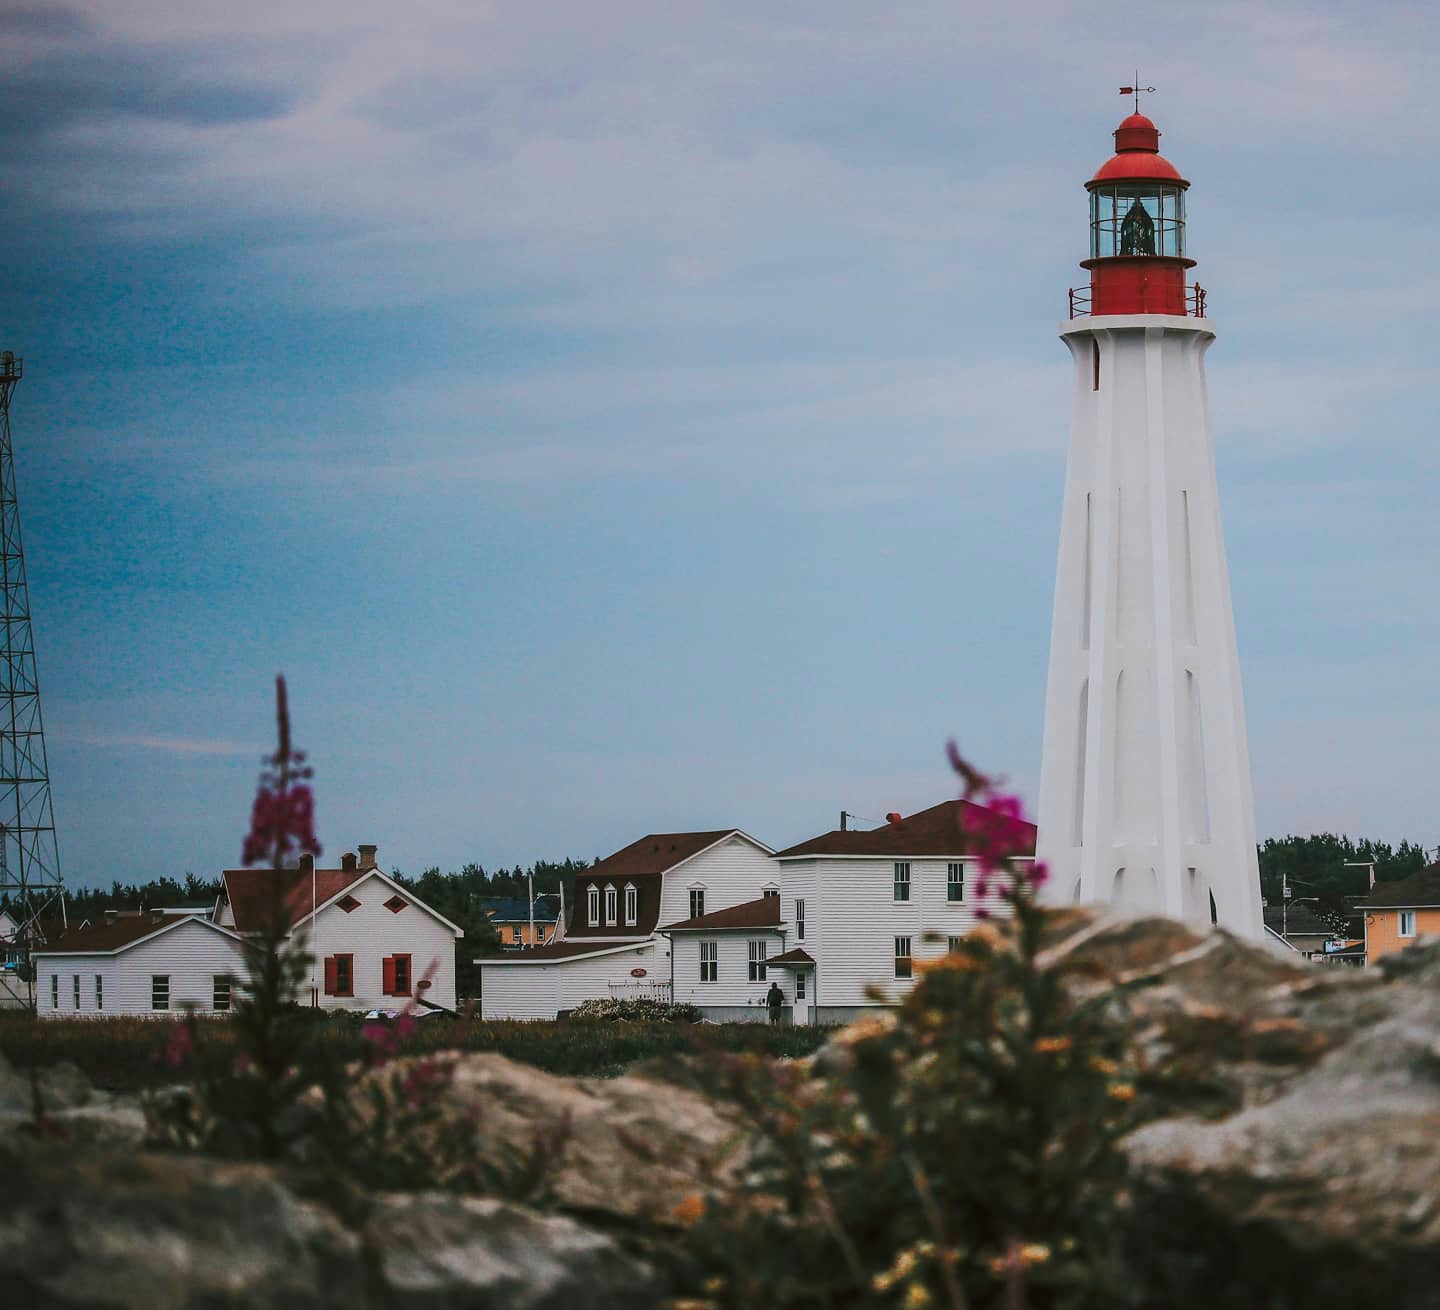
1137 231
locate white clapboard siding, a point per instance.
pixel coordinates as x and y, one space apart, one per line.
732 872
542 990
370 934
191 956
852 934
732 985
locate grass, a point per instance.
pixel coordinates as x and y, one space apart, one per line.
127 1054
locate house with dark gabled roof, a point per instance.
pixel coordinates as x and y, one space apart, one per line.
723 961
138 962
611 946
376 945
1398 913
862 909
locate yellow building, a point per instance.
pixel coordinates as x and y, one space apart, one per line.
1397 914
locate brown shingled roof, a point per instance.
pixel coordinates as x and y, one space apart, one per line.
935 831
764 913
251 893
799 956
124 930
1418 891
643 863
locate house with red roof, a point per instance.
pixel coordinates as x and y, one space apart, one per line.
611 946
859 911
138 962
376 945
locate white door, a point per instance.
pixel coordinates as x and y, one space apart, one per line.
804 985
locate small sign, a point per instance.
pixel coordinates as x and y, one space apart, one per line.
638 973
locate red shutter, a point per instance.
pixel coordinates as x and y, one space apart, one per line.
387 966
330 975
405 990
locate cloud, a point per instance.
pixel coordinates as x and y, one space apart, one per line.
175 745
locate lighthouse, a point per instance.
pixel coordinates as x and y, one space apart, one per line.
1145 793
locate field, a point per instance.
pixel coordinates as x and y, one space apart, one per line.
126 1054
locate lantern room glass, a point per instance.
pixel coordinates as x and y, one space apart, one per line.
1137 218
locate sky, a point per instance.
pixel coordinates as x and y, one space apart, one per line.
645 416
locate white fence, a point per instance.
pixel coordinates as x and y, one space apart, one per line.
640 989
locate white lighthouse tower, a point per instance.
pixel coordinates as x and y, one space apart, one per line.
1145 795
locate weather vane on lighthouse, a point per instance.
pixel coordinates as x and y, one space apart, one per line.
1135 90
1145 793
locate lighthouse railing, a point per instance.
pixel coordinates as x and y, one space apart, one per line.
1195 298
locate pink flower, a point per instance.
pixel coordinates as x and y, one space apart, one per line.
180 1046
424 1080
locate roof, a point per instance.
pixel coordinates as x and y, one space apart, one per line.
798 956
1137 155
1302 921
515 909
118 934
1418 891
931 832
764 913
644 864
566 950
251 893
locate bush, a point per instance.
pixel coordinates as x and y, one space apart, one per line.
637 1010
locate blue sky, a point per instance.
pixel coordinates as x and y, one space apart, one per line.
642 416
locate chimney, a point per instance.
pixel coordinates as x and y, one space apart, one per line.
112 916
347 862
367 855
157 916
307 864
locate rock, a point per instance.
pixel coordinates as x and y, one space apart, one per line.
61 1085
633 1148
152 1232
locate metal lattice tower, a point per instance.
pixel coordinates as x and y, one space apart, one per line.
30 882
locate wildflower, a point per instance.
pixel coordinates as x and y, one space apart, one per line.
715 1284
960 961
1052 1045
862 1030
1122 1091
690 1211
282 820
916 1296
1034 1253
424 1079
1103 1066
180 1047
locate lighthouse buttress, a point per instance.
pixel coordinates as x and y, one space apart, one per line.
1145 791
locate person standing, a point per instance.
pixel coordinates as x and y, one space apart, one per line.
774 1000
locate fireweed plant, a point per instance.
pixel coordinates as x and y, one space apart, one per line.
959 1150
275 1092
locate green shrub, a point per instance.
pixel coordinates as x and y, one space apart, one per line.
638 1009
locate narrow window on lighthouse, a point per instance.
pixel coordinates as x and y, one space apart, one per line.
1095 366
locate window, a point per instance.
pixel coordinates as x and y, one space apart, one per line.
1407 923
632 905
799 921
902 957
611 902
770 889
159 991
220 992
799 984
1095 366
757 961
592 904
952 944
395 975
697 902
709 961
54 991
902 880
99 991
955 882
395 904
75 988
349 904
340 975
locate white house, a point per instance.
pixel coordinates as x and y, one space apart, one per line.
138 962
725 961
611 946
375 943
860 908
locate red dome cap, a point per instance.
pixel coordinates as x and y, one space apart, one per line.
1138 157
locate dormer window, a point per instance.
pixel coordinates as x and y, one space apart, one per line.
611 907
632 905
770 889
697 900
592 905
